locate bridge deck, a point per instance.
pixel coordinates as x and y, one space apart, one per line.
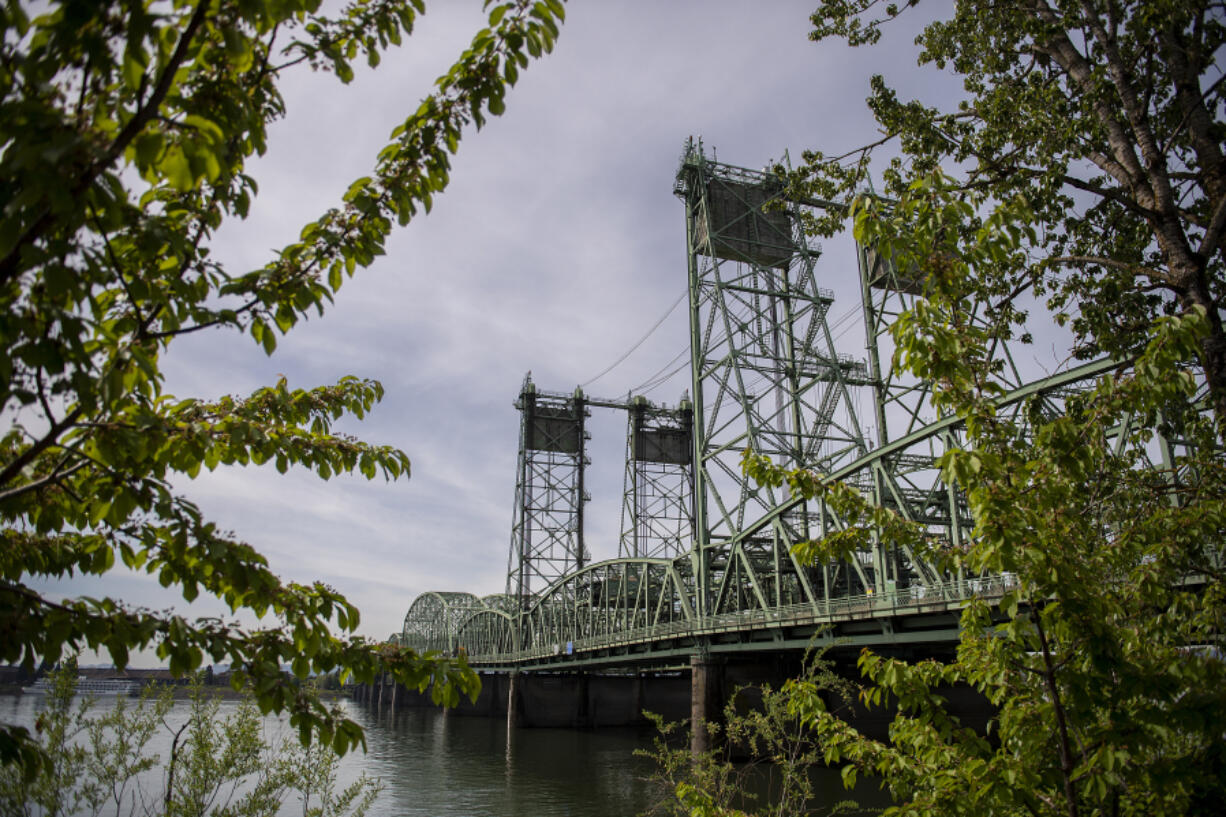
922 615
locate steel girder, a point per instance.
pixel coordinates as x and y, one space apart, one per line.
765 375
641 598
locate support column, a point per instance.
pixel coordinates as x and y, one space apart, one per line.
582 701
704 701
512 701
638 697
395 686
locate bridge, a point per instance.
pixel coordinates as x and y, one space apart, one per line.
705 563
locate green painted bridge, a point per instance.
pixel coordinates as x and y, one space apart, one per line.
641 624
706 562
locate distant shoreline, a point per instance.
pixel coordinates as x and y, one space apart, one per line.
182 692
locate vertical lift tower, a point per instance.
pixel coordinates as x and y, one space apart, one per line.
765 376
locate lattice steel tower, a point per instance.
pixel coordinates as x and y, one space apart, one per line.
907 480
765 375
658 504
547 529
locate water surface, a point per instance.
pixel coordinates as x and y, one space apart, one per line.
439 765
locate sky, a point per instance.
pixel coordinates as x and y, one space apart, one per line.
557 246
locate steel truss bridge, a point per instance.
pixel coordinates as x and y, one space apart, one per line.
705 560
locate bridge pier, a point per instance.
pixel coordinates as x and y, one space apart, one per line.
583 705
706 699
638 697
512 700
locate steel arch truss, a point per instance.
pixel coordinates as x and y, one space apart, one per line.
884 568
435 618
487 633
609 598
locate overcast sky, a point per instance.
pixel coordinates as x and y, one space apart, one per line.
557 246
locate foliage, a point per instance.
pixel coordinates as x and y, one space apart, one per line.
59 727
125 128
689 785
1105 119
313 771
222 765
1083 167
225 765
763 746
1105 661
116 750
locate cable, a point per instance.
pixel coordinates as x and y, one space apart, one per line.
641 340
661 381
651 379
838 327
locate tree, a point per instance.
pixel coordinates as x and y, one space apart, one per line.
1084 165
1106 118
223 765
218 763
61 725
126 127
116 751
775 755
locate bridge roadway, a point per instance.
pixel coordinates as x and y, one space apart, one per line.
915 617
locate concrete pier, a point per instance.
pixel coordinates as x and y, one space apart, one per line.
513 701
556 700
595 700
706 701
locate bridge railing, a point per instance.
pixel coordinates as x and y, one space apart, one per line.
920 598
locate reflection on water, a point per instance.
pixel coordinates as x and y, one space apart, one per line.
437 764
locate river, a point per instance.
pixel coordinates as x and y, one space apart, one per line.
435 764
438 765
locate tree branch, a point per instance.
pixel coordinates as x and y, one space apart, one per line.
26 457
10 264
1125 167
39 484
1212 239
1117 196
1049 677
1135 269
